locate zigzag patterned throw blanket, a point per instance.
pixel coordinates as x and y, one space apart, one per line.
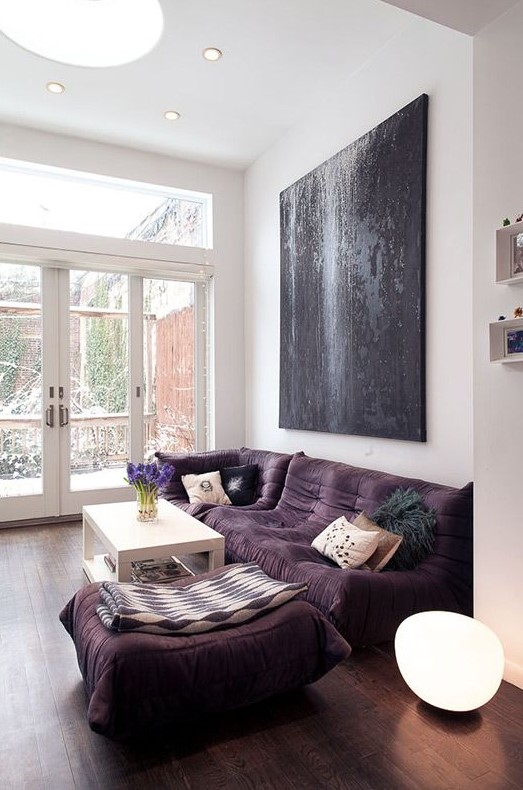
238 594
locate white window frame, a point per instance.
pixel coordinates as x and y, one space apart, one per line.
112 182
64 249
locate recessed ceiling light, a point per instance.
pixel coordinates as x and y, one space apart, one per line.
83 32
212 53
171 115
55 87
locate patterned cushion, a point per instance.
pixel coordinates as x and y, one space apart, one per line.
205 488
346 544
387 546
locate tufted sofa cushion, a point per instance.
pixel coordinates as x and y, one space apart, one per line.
366 607
272 470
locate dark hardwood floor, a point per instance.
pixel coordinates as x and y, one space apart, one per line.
358 727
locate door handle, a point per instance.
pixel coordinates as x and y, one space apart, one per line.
64 415
49 416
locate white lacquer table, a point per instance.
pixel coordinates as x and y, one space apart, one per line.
175 533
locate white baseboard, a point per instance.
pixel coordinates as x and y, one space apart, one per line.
513 674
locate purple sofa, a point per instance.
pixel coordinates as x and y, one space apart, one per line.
297 498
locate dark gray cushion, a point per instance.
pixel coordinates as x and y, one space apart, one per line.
404 513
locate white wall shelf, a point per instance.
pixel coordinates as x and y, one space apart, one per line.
502 337
509 254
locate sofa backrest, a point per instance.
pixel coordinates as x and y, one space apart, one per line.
320 491
272 471
453 546
194 463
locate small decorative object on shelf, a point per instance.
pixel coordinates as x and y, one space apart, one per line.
518 312
147 479
507 221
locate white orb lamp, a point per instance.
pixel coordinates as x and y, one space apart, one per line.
95 33
449 660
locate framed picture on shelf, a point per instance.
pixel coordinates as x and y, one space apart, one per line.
509 253
513 342
516 259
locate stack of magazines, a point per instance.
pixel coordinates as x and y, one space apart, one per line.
160 571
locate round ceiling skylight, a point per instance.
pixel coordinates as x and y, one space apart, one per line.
94 33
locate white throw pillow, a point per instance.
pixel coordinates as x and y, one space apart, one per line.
346 544
206 487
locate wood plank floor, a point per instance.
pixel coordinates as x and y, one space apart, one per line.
358 727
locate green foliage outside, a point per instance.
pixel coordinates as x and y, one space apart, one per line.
13 347
20 464
106 356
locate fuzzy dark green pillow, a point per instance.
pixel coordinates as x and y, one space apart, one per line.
404 513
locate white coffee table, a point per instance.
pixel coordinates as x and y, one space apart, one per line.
126 539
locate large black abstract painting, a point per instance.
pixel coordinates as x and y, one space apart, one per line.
352 354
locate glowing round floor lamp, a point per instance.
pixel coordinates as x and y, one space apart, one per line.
449 660
94 33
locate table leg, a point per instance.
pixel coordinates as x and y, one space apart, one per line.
123 571
216 559
88 539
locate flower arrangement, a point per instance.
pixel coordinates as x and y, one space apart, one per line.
147 479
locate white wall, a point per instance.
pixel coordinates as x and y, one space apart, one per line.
227 189
425 58
498 389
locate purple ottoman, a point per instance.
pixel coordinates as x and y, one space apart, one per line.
136 681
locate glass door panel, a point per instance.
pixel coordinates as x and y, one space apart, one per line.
169 365
96 368
20 381
98 380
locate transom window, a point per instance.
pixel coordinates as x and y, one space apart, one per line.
58 199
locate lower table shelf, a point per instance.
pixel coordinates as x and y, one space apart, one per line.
96 569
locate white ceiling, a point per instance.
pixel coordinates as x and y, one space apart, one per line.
278 57
468 16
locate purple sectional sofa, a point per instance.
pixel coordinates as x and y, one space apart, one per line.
297 497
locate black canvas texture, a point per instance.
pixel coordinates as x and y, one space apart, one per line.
352 238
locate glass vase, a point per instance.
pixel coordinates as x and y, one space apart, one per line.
147 505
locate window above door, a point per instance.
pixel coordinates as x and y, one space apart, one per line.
49 197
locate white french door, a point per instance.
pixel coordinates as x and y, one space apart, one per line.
96 367
91 394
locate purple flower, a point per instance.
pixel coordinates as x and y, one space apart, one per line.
148 477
